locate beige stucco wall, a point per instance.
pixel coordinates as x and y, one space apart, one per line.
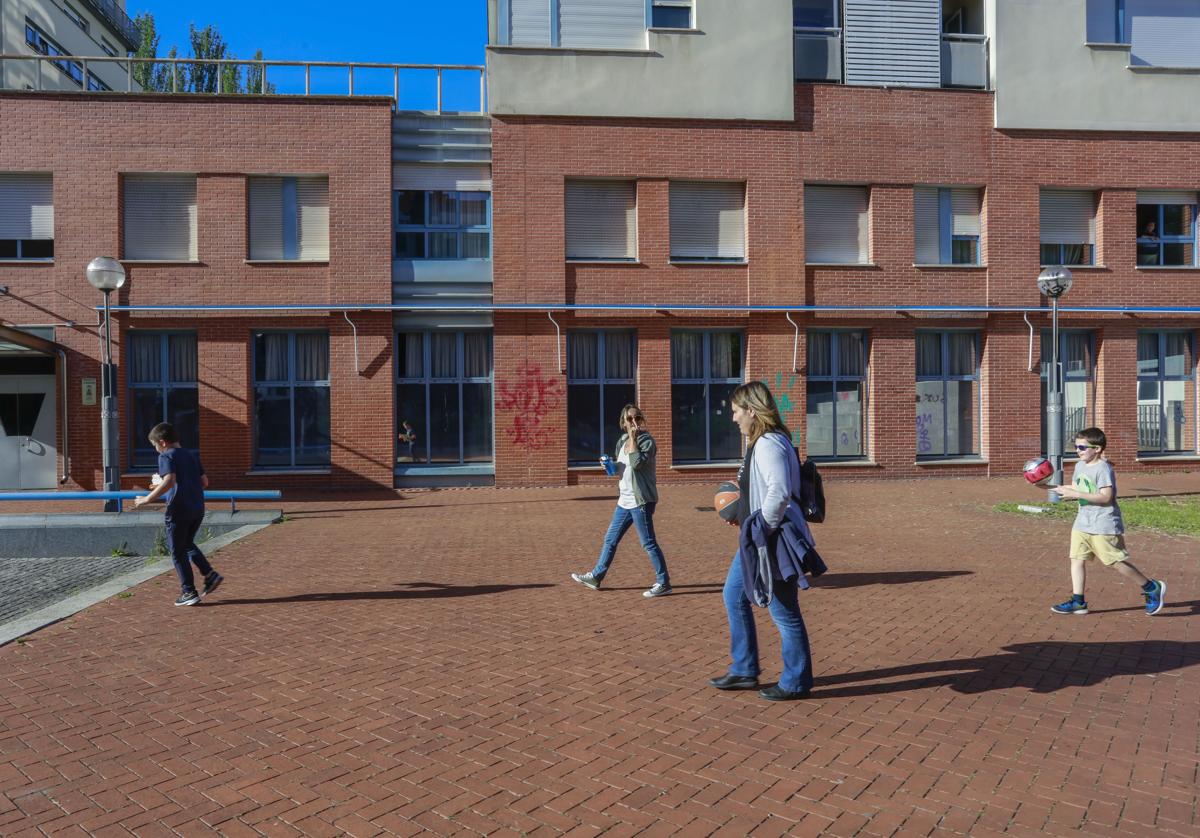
736 65
1047 77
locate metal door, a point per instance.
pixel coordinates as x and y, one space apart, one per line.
28 457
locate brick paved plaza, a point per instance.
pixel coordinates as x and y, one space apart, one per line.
421 662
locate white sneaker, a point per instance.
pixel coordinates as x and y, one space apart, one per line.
657 589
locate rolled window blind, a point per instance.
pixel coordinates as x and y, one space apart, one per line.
160 217
964 207
26 206
312 218
1068 216
1160 196
266 217
836 224
529 22
926 222
601 219
612 24
708 220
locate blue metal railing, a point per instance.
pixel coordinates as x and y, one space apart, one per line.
232 496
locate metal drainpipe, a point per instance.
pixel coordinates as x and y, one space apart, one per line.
1030 325
66 424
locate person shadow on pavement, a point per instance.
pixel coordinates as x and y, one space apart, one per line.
410 590
1038 667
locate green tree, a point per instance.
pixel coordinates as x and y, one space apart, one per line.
144 71
197 77
254 77
207 43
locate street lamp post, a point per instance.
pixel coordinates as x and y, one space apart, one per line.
108 275
1054 282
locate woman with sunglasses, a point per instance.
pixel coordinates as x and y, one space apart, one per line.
638 496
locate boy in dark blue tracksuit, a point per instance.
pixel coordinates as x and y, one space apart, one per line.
183 484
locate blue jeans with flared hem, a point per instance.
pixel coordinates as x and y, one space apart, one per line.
743 641
642 518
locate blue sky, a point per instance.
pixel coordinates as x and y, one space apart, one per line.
400 32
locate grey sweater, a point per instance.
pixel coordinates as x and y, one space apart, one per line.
641 465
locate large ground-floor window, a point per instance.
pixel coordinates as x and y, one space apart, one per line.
948 408
291 399
1076 357
444 397
705 369
600 381
835 425
162 388
1165 392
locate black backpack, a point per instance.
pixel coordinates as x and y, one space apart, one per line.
812 493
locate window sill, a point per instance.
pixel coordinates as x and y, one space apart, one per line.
716 263
585 468
259 472
1183 71
286 262
859 265
1167 267
1105 45
952 461
445 469
722 464
160 261
614 262
1168 458
27 262
934 266
824 464
527 48
671 30
1074 268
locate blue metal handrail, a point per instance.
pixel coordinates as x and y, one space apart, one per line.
232 496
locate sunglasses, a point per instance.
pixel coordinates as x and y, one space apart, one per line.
1084 447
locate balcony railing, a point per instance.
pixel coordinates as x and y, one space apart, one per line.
817 54
425 86
125 28
965 61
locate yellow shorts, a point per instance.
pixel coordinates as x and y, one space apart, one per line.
1109 549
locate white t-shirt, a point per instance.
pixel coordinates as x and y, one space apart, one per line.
625 484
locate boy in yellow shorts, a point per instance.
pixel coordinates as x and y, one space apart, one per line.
1098 529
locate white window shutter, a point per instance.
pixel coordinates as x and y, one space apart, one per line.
1162 196
26 206
601 219
160 217
312 218
529 22
266 217
836 224
965 206
1068 216
927 226
708 220
611 24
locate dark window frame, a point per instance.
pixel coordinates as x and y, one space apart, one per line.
945 377
425 230
292 384
836 377
607 412
708 379
139 445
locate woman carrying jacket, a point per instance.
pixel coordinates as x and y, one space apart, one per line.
638 497
767 479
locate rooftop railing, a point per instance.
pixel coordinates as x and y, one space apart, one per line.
817 56
458 88
115 16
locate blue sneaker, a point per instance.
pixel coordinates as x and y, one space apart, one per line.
1154 599
1071 606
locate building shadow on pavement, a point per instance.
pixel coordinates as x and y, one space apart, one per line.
411 590
1038 667
680 590
899 577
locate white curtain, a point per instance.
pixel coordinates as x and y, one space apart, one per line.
145 359
414 355
726 355
181 356
312 356
618 355
820 353
687 355
274 359
929 353
582 356
477 354
444 359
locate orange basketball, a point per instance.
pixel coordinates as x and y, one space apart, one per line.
726 500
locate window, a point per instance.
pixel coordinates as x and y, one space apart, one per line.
436 224
836 225
160 217
600 381
947 394
75 17
26 216
815 14
708 221
612 24
946 220
1166 228
1068 227
836 386
444 393
291 399
108 48
1076 354
601 219
289 218
1166 393
162 388
705 369
671 14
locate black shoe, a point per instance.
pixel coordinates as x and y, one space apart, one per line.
734 682
211 581
775 693
188 598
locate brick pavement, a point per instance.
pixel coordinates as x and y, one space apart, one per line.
422 663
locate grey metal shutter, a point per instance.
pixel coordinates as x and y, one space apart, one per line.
160 217
312 218
708 220
601 219
964 209
448 177
529 22
26 206
265 217
893 42
927 224
602 24
1162 196
1068 216
836 224
1163 33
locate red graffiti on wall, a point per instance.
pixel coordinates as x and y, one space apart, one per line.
531 396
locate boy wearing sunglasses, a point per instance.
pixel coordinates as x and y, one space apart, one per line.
1098 530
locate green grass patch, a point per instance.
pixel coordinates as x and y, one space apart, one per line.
1175 515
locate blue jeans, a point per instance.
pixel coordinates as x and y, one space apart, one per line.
743 641
641 517
181 544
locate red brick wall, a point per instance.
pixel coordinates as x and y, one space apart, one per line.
89 142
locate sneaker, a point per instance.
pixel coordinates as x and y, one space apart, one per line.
1070 607
188 598
211 581
1154 599
587 580
657 589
